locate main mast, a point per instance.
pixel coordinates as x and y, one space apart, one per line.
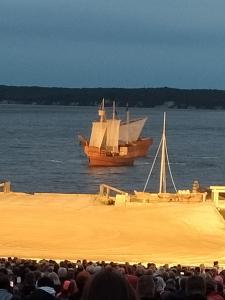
162 182
127 121
164 162
101 111
114 110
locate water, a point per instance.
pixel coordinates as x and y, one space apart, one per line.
40 152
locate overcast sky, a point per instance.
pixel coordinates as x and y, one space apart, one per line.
111 43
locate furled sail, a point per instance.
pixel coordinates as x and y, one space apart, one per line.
112 137
97 134
130 132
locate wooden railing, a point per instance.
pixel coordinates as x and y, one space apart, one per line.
106 189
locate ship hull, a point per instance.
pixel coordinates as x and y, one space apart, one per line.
170 197
100 158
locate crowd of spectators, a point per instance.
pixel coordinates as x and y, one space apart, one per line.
85 280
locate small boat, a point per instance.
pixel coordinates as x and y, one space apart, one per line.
113 142
196 195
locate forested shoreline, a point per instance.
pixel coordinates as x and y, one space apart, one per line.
135 97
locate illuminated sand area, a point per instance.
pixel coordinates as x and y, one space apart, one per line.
67 226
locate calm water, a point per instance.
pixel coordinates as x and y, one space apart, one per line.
39 150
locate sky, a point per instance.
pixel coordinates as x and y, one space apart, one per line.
111 43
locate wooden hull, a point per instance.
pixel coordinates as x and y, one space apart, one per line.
169 197
100 158
110 161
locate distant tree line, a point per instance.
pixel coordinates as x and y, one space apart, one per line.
138 97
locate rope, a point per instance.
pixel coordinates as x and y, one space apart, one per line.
150 172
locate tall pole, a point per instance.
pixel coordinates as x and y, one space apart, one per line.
162 183
128 121
114 110
101 111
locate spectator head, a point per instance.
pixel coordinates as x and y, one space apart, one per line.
139 271
172 274
80 267
219 279
216 264
159 284
195 285
97 269
70 273
37 275
45 281
62 273
90 269
129 270
214 272
4 282
222 273
146 287
110 285
210 286
82 279
69 288
3 271
29 278
55 278
202 267
170 285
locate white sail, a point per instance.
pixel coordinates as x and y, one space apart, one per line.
97 134
112 137
130 132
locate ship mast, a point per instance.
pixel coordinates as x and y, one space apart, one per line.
114 110
128 121
162 182
101 111
164 162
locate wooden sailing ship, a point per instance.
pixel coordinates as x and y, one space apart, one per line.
115 143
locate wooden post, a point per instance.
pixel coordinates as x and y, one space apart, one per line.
101 189
216 198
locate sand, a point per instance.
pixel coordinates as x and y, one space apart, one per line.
65 226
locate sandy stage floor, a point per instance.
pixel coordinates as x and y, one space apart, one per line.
76 227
